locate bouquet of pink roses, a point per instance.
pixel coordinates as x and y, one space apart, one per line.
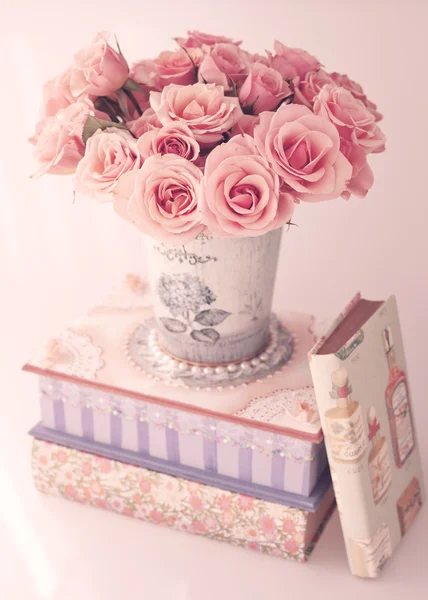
207 137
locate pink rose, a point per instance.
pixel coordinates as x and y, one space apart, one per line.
309 87
357 91
144 73
263 89
202 107
246 124
99 70
225 64
163 198
177 67
147 122
241 194
351 118
57 94
261 58
109 154
362 176
197 39
293 61
58 140
174 138
304 149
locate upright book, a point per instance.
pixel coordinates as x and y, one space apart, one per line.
359 375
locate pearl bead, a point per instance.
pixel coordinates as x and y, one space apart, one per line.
182 366
219 370
196 370
255 362
245 365
232 368
264 356
208 371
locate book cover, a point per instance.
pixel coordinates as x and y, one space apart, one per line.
360 379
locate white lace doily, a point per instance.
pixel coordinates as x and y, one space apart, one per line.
73 354
299 404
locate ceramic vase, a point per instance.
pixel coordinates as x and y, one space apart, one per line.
212 296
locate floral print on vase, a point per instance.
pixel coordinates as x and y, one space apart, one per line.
188 300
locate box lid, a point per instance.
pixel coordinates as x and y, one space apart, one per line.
363 396
109 348
308 503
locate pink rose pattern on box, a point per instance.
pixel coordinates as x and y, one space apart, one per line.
165 500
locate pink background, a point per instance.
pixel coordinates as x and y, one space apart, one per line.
56 257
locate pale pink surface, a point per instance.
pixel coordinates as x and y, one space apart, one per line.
350 116
98 70
58 140
163 198
202 107
263 89
304 149
174 138
241 194
109 154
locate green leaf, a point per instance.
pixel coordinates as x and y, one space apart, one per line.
173 325
133 86
212 316
93 124
206 336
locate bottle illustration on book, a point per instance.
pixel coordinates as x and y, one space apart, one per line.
398 405
379 463
345 427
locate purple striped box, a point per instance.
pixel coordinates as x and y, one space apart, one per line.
182 438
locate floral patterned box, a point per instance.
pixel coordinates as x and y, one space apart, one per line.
105 380
158 498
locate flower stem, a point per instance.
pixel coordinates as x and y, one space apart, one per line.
133 100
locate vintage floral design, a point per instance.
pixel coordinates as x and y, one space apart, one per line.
185 295
158 498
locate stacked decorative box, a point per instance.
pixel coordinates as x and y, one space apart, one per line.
236 454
